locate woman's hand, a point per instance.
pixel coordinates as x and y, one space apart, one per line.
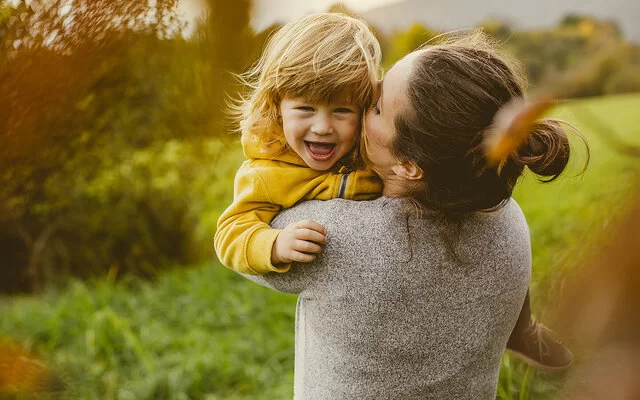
298 241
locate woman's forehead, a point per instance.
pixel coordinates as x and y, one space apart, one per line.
405 63
394 84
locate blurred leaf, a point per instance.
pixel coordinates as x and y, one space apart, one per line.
511 127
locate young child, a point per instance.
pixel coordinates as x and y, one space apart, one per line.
300 125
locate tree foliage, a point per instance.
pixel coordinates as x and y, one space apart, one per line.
580 57
403 42
88 88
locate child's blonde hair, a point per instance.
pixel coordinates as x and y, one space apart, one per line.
319 57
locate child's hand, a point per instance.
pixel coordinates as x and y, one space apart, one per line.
296 241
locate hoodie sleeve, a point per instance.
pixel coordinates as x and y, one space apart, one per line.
244 239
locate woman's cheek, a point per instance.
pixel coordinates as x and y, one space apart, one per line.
367 124
371 129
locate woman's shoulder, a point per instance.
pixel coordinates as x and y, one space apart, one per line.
507 217
503 232
387 211
341 211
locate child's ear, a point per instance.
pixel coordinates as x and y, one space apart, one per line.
408 170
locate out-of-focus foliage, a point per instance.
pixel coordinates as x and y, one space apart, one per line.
580 57
401 43
24 375
570 222
601 309
95 98
203 333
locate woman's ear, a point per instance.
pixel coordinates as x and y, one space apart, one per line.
408 170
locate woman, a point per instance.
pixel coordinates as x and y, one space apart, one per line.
416 293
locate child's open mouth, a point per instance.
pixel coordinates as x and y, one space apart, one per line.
320 151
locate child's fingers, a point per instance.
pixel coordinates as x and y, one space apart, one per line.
306 247
297 256
313 225
310 236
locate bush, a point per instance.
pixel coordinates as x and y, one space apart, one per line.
104 158
135 214
627 80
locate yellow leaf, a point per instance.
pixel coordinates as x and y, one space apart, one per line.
511 128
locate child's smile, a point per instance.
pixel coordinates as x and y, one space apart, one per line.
320 133
320 151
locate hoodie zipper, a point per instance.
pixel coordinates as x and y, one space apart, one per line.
343 186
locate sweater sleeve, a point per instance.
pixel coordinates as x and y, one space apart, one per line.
293 282
244 239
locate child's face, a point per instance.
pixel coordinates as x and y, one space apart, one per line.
320 133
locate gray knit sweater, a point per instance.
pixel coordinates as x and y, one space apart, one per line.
386 312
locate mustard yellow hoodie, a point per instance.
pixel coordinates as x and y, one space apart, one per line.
264 185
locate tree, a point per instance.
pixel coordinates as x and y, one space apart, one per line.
60 71
402 43
88 90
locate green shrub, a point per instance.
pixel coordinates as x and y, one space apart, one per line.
106 158
150 208
627 80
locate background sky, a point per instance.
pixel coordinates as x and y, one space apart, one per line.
267 12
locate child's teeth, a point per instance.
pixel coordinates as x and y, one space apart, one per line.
321 149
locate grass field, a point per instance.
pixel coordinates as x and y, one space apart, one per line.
205 333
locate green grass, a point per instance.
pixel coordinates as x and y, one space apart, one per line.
201 333
205 333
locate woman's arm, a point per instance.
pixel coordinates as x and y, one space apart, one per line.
294 281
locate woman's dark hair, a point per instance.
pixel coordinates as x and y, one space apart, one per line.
454 92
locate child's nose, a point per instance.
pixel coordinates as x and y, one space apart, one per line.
322 125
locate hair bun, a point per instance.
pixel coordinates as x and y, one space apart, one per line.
547 150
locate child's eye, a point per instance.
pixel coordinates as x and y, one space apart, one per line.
305 108
375 108
343 110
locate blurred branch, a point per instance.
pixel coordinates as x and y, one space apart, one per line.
35 255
